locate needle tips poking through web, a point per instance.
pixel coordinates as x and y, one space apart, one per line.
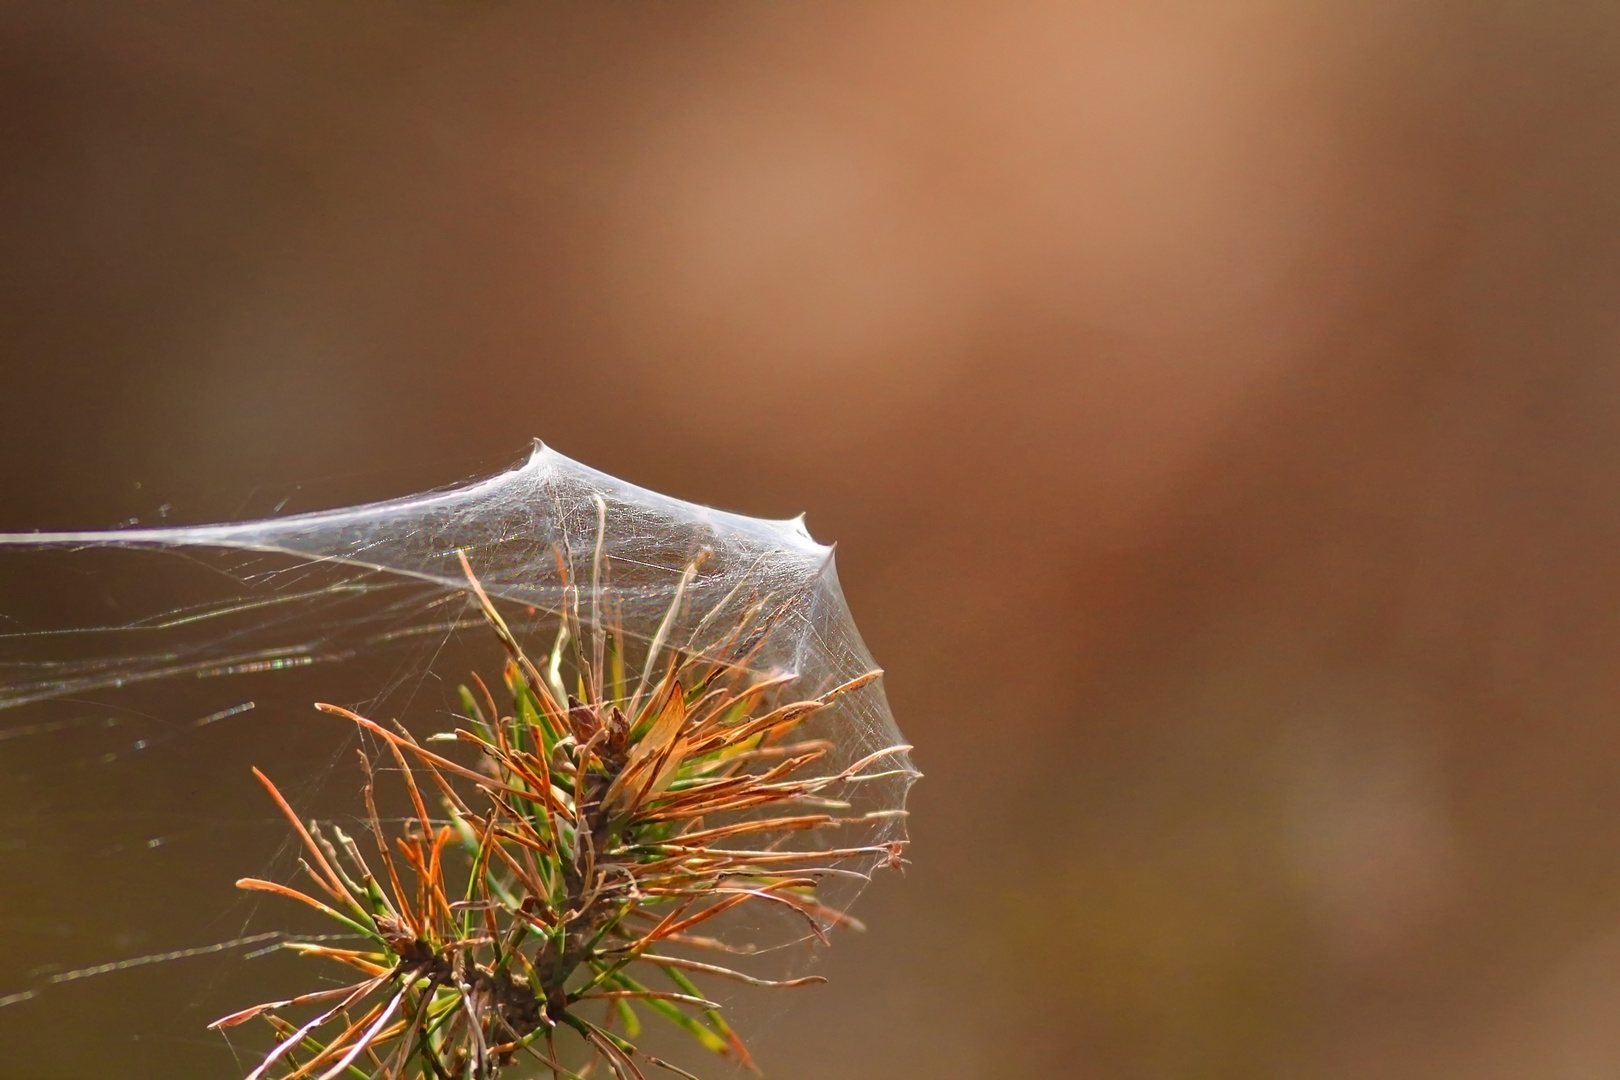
691 716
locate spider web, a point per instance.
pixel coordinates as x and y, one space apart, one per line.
125 747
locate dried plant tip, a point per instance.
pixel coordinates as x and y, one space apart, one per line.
597 827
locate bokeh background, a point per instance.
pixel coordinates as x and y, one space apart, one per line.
1217 407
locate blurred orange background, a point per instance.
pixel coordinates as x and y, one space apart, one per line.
1217 408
